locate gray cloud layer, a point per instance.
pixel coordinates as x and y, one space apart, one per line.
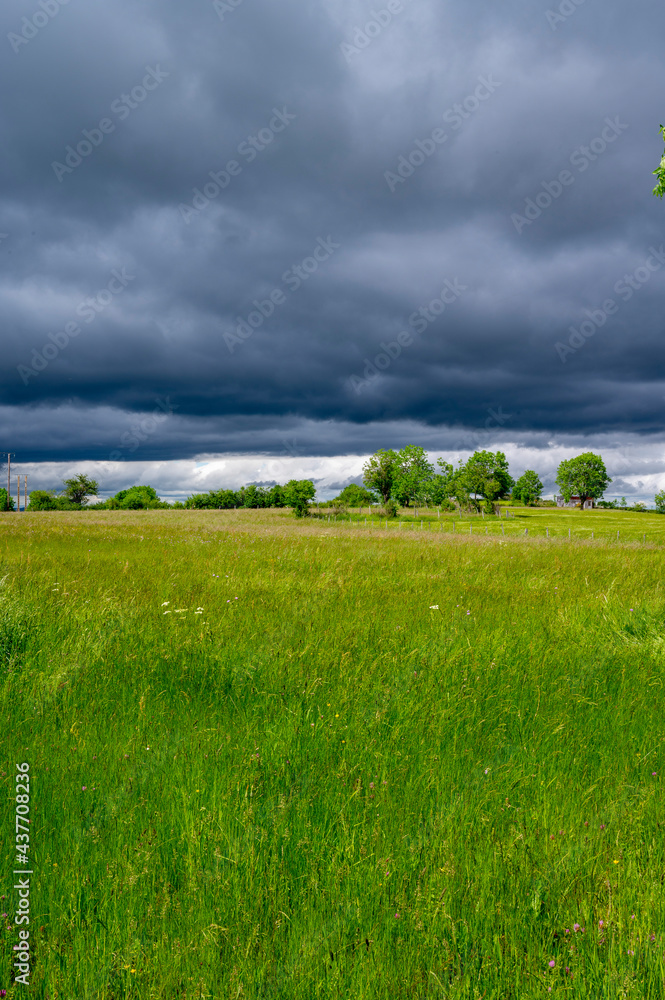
410 213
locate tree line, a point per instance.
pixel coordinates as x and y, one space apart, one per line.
392 479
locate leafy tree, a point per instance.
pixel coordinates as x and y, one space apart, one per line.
659 500
298 493
379 472
254 496
79 488
276 496
486 474
528 488
137 498
6 503
659 189
412 476
584 476
355 496
47 500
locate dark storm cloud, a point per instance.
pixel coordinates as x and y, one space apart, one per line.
305 219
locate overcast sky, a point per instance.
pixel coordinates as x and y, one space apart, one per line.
247 240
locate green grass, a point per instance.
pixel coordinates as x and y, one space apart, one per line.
322 786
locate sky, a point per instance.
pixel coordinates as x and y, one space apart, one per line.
245 241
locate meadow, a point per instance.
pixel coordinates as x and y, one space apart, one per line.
273 758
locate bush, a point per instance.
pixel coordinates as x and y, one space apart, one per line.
355 496
5 502
389 508
47 500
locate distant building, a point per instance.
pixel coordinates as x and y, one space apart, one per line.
574 502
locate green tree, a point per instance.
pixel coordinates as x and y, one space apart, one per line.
379 472
298 494
486 474
659 189
137 498
355 496
276 496
6 503
584 476
659 500
43 500
79 488
412 475
528 488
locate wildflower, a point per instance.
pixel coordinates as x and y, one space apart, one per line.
180 611
468 612
633 917
653 937
397 916
164 603
434 607
167 612
631 952
602 826
653 774
576 927
567 930
552 963
486 770
83 787
601 923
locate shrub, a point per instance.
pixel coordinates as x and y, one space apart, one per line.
5 502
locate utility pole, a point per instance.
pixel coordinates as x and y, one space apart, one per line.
18 494
10 455
25 493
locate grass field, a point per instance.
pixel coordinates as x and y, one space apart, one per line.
282 759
